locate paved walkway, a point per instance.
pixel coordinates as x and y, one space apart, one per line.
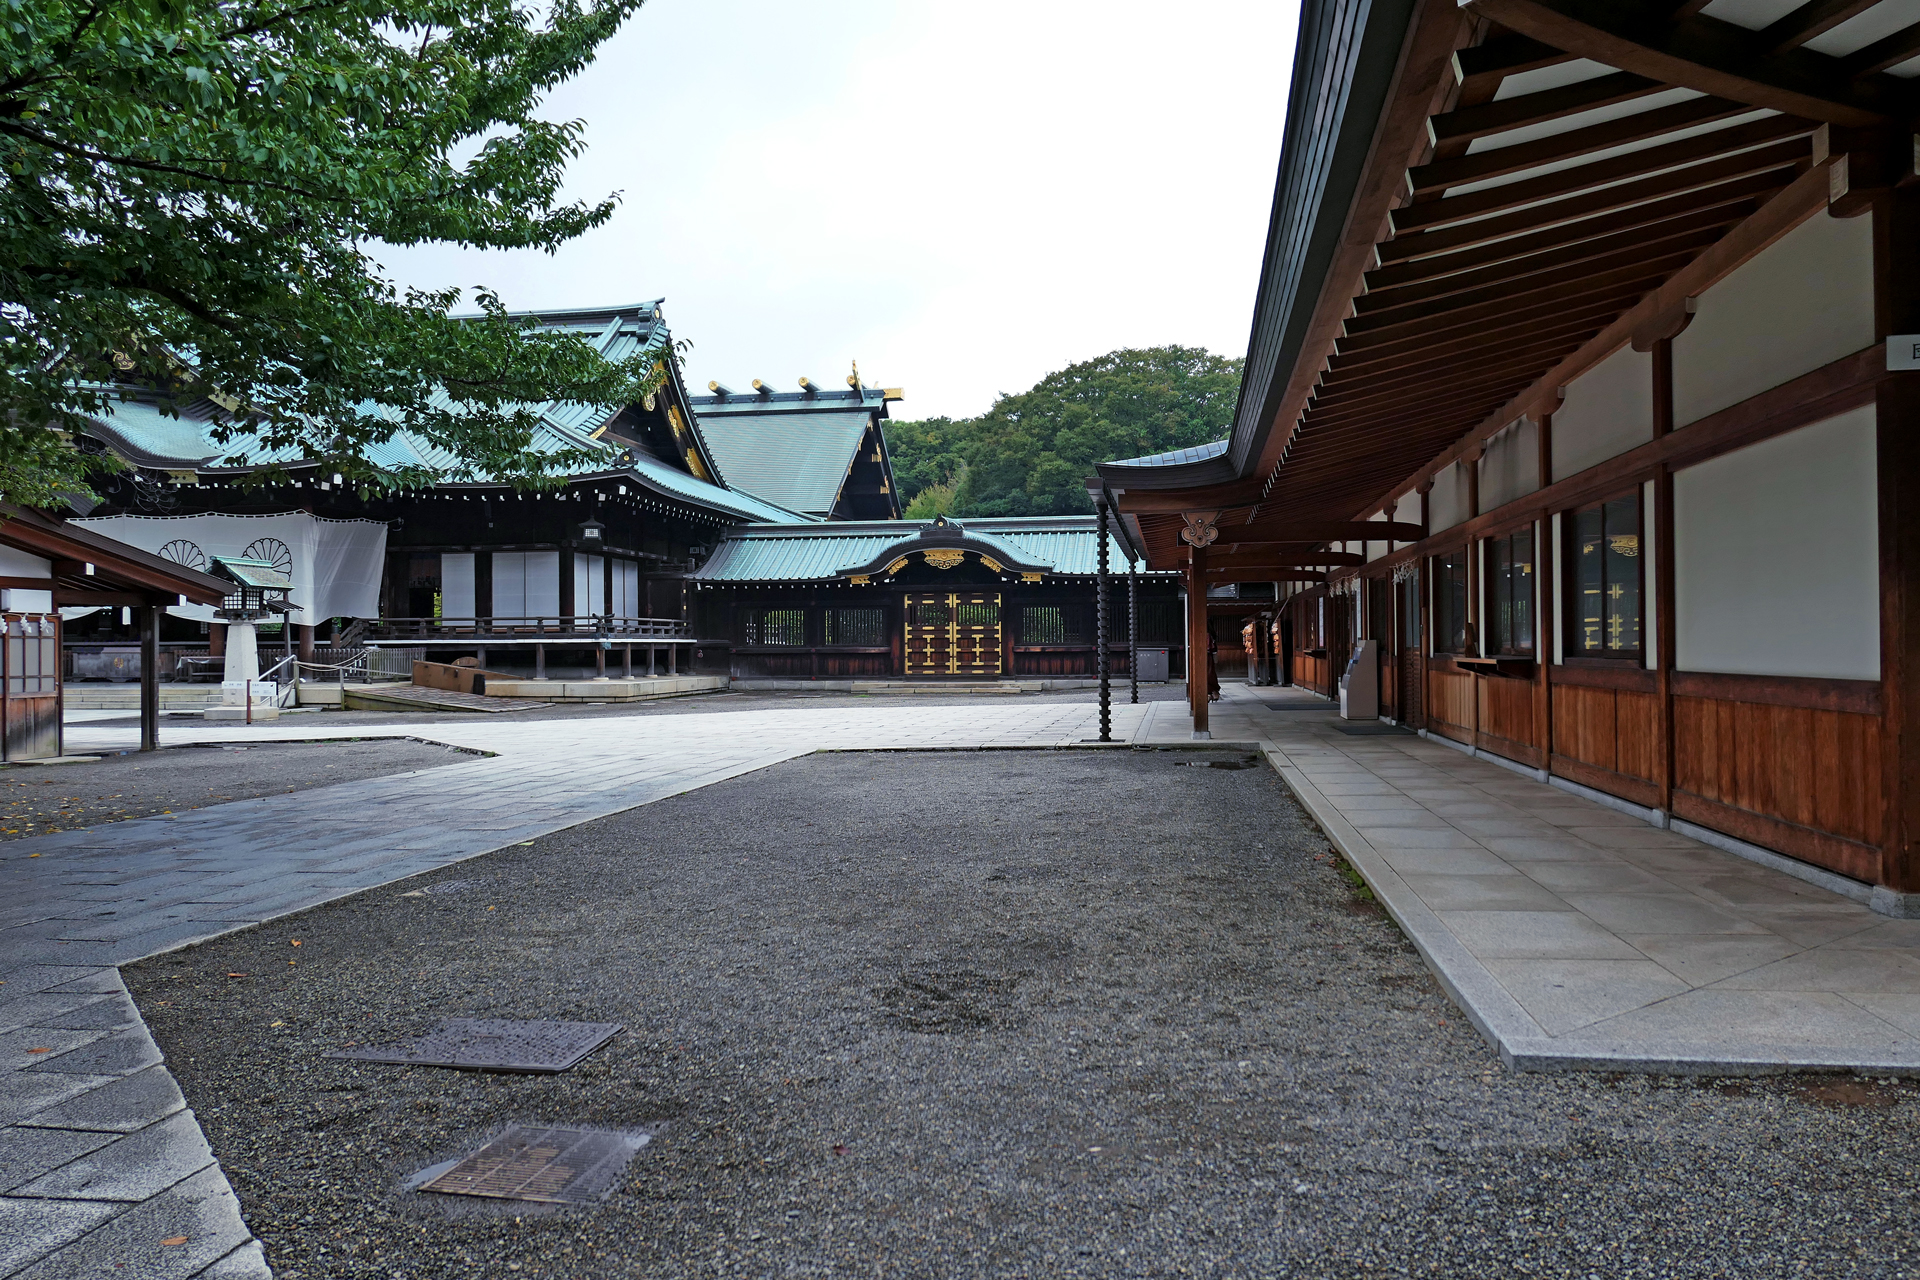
1573 935
103 1165
1577 936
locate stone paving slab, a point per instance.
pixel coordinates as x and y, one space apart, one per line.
1577 936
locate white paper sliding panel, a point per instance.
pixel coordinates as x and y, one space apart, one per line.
626 589
543 584
1608 410
456 585
1804 302
509 584
1776 563
589 585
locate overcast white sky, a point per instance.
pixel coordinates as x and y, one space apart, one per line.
963 197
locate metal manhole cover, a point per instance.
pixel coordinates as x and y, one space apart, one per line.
552 1166
478 1044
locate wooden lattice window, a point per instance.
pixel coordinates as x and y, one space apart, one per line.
775 627
1050 624
866 628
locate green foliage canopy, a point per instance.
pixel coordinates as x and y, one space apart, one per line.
1032 452
190 188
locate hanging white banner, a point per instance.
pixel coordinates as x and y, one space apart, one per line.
335 564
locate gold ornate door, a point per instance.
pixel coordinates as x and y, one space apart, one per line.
953 633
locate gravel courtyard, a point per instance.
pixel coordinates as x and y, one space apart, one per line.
1002 1013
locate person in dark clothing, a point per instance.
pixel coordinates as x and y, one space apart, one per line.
1213 670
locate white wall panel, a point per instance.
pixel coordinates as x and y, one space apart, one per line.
1447 504
1511 467
1776 556
456 584
1608 410
1805 302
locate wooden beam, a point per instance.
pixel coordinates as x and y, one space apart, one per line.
1244 563
1467 123
1890 51
1733 200
1634 164
1426 63
1695 230
1213 497
1482 68
1561 147
1541 322
1275 529
1806 195
1564 286
1697 52
1797 26
1705 179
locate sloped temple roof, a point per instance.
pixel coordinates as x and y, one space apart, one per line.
141 430
1479 202
1065 546
802 450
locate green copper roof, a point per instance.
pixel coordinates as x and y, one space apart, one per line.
811 553
798 460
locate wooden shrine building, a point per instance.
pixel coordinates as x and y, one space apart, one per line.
1584 383
973 599
460 568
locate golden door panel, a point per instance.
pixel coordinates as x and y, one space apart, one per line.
953 633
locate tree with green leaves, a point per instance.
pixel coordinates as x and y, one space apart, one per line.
190 193
1032 452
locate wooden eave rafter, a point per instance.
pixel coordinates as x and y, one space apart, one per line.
1707 54
1446 316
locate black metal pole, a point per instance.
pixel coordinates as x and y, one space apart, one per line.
1100 630
149 677
1133 632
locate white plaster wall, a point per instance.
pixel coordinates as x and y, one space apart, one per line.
1447 504
1608 410
1776 556
1511 467
15 563
1805 302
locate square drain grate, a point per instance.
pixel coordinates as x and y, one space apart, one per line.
479 1044
552 1166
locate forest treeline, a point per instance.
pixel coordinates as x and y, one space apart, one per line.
1030 454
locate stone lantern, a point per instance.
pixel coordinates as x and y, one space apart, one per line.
260 590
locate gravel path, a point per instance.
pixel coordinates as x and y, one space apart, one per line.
37 800
980 1014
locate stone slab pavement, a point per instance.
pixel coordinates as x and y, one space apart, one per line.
1575 934
103 1169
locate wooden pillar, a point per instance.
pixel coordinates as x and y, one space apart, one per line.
1663 590
1103 658
1133 633
1197 640
600 661
626 661
539 662
149 677
673 659
216 639
303 637
1896 217
1543 626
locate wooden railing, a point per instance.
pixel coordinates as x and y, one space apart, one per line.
576 626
